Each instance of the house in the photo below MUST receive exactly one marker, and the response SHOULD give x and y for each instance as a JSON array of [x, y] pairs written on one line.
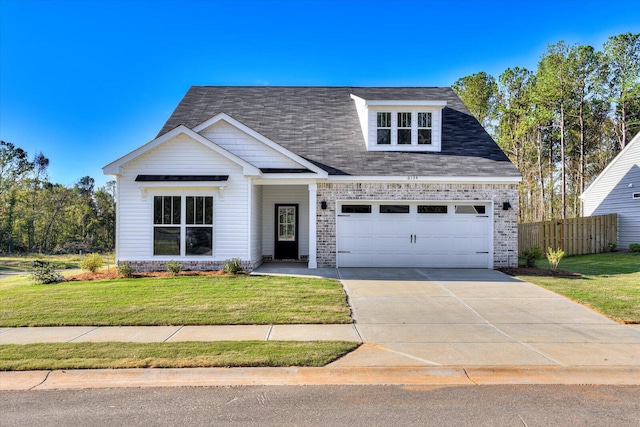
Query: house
[[333, 176], [617, 190]]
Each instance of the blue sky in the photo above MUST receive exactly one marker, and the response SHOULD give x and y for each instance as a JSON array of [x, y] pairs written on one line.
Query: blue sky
[[85, 82]]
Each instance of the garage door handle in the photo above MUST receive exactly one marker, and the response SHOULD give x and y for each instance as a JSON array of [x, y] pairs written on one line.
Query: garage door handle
[[482, 252], [344, 252]]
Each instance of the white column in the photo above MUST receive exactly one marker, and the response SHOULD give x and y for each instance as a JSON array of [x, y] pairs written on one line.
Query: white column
[[313, 204]]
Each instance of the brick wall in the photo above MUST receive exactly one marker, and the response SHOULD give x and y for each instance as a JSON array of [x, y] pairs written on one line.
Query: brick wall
[[146, 266], [505, 223]]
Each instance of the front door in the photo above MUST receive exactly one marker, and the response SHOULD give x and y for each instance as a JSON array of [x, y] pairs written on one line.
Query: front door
[[286, 239]]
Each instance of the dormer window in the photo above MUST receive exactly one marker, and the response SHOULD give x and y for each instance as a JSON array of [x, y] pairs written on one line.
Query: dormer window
[[410, 128], [384, 128], [401, 125], [404, 128], [424, 128]]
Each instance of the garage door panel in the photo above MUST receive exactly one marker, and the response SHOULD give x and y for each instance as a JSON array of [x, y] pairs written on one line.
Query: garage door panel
[[415, 239]]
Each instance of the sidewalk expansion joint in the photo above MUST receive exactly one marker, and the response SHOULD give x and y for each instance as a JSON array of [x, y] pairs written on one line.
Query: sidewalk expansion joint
[[268, 336], [174, 332], [81, 335]]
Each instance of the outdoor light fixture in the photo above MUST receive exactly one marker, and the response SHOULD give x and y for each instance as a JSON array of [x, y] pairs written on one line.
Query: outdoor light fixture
[[323, 204], [506, 206]]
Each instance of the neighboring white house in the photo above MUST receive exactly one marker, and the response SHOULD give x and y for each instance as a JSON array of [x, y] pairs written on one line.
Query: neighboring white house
[[617, 190], [334, 176]]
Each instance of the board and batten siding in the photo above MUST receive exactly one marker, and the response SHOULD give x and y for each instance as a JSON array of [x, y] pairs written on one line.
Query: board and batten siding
[[283, 194], [246, 147], [181, 155], [613, 192]]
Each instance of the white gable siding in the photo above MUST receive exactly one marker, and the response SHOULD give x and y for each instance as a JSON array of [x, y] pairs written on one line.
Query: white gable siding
[[181, 155], [613, 191], [247, 147], [273, 195]]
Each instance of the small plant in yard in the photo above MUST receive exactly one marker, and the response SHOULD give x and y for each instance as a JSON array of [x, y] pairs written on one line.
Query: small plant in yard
[[125, 269], [91, 262], [44, 273], [173, 267], [611, 247], [232, 265], [554, 257], [634, 247], [530, 255]]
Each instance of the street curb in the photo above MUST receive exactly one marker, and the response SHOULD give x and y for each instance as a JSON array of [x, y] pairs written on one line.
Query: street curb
[[211, 377]]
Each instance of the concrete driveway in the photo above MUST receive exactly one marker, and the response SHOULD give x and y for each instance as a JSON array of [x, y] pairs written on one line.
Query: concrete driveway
[[435, 317]]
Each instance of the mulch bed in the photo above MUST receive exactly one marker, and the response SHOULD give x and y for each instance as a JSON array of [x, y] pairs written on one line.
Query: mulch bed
[[113, 274], [535, 271]]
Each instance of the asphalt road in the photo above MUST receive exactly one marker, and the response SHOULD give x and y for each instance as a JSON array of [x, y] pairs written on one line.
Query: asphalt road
[[508, 405]]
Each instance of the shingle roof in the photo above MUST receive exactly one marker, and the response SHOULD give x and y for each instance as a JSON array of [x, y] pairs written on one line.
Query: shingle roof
[[321, 124]]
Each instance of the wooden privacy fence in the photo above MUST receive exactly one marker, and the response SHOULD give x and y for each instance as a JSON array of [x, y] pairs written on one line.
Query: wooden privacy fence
[[576, 236]]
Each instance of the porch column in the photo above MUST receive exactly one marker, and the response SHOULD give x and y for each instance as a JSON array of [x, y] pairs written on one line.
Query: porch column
[[313, 204]]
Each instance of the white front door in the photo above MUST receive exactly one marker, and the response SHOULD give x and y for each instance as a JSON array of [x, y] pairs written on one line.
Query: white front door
[[414, 234]]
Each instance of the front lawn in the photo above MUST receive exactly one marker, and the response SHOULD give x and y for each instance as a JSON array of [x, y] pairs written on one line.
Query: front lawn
[[171, 355], [610, 283], [182, 300]]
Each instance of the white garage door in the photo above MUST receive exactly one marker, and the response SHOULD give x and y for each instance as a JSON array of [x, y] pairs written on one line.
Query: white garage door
[[414, 234]]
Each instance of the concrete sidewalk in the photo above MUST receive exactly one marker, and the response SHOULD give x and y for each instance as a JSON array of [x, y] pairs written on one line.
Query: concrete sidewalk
[[140, 334]]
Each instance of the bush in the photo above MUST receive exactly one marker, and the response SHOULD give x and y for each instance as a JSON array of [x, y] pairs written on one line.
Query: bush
[[44, 273], [554, 257], [232, 265], [531, 255], [173, 267], [125, 269], [634, 247], [611, 247], [91, 262]]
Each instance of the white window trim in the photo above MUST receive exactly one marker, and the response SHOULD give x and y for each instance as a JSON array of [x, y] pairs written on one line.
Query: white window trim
[[183, 226], [436, 124]]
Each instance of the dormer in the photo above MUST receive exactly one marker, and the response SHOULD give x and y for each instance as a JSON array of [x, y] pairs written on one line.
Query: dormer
[[401, 125]]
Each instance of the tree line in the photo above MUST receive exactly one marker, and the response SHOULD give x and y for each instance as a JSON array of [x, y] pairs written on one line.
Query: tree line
[[562, 123], [37, 215]]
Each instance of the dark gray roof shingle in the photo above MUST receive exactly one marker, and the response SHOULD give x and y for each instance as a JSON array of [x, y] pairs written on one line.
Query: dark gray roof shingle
[[321, 124]]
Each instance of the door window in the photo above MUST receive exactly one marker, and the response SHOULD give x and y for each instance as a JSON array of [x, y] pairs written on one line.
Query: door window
[[286, 223]]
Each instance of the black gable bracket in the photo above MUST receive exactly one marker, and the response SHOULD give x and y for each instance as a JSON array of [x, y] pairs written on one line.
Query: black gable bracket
[[181, 178]]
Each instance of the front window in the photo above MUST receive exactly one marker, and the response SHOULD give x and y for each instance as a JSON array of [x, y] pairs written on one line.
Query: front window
[[183, 226]]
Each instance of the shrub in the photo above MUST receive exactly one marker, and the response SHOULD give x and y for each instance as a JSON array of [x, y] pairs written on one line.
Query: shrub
[[91, 262], [232, 265], [125, 269], [634, 247], [173, 267], [611, 247], [44, 273], [554, 257], [531, 255]]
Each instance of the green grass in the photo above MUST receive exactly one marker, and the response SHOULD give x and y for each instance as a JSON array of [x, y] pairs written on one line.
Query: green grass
[[22, 262], [171, 355], [182, 300], [610, 283]]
